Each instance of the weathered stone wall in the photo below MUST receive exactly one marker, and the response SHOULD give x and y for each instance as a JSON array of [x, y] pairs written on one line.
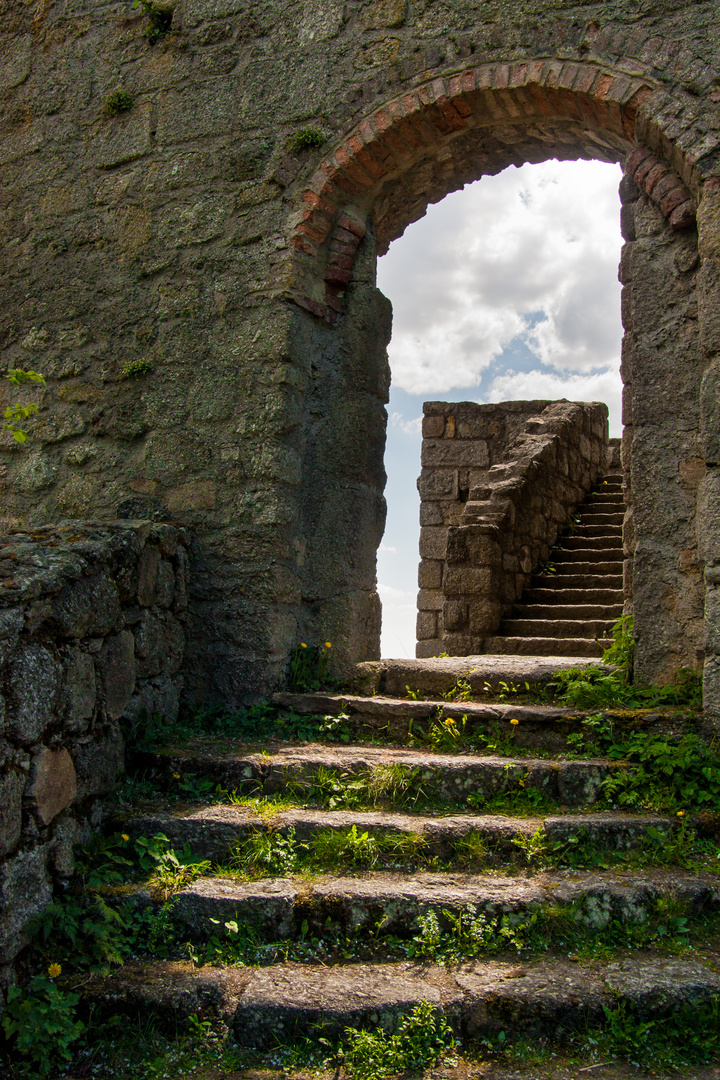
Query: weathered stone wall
[[498, 486], [187, 232], [92, 635], [662, 369]]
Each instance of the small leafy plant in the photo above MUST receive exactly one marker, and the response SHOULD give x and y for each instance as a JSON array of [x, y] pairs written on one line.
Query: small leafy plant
[[119, 101], [41, 1025], [159, 22], [307, 138], [422, 1039], [135, 368], [16, 416], [309, 668]]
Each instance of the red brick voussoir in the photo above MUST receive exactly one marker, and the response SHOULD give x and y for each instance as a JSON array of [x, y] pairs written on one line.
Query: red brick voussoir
[[334, 206]]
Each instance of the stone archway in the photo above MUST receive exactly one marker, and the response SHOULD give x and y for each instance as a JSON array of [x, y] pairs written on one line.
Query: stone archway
[[431, 140]]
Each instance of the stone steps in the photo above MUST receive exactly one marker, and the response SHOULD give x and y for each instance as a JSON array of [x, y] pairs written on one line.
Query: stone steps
[[539, 610], [435, 676], [215, 831], [566, 597], [557, 614], [549, 627], [281, 1003], [444, 778], [593, 540], [279, 909], [592, 557], [540, 728], [583, 649], [571, 577]]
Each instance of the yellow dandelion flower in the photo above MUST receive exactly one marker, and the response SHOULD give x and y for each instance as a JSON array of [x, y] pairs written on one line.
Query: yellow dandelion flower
[[328, 645], [513, 721], [449, 722], [54, 970], [681, 813], [303, 645], [124, 836], [176, 776]]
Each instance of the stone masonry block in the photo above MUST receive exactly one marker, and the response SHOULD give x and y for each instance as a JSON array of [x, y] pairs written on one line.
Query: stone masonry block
[[100, 762], [165, 584], [433, 427], [433, 513], [12, 783], [426, 625], [53, 783], [80, 689], [433, 542], [455, 614], [89, 607], [34, 681], [117, 669], [147, 575], [430, 600], [444, 453], [438, 484], [467, 581], [430, 574], [25, 889]]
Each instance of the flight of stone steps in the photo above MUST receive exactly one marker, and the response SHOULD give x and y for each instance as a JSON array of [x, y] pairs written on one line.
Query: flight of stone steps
[[571, 606], [457, 841]]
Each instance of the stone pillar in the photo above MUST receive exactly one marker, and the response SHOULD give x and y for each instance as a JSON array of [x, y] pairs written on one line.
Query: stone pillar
[[662, 369], [346, 381], [709, 502]]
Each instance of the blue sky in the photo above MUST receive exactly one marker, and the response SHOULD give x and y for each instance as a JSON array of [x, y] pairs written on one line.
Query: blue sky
[[505, 290]]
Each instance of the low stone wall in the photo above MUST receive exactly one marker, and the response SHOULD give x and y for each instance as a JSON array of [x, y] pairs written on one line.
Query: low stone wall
[[498, 484], [92, 638]]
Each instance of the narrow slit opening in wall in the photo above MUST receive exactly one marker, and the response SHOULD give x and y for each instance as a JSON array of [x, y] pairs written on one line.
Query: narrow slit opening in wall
[[505, 290]]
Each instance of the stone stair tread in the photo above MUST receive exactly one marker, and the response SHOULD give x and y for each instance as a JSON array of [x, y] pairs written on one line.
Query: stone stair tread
[[536, 594], [381, 706], [445, 777], [585, 554], [592, 541], [559, 628], [581, 649], [281, 1001], [354, 758], [560, 610], [214, 831], [277, 904], [569, 578], [438, 674]]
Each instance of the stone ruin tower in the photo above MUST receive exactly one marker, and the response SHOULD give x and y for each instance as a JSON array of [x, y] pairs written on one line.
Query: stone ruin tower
[[193, 200]]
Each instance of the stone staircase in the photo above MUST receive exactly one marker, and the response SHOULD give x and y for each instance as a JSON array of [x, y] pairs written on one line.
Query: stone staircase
[[571, 606], [442, 825]]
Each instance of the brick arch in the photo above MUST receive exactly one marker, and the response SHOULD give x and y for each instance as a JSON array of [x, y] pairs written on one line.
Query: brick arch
[[612, 116]]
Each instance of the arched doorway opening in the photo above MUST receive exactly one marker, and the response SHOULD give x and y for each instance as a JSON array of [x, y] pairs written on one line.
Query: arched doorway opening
[[413, 151], [505, 290]]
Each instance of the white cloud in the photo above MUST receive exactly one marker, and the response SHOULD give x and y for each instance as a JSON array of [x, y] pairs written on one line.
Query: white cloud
[[387, 592], [526, 385], [541, 242], [409, 427], [388, 548]]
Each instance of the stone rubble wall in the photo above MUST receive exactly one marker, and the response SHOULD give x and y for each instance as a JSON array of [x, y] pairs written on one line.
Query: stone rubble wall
[[499, 484], [92, 639]]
